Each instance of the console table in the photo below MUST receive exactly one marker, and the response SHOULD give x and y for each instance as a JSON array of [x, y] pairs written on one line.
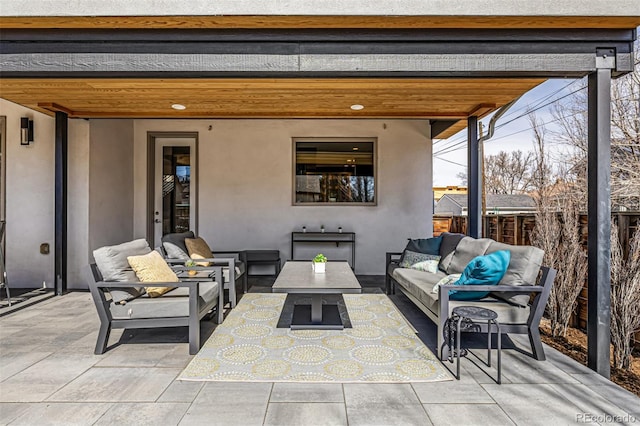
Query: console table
[[336, 238]]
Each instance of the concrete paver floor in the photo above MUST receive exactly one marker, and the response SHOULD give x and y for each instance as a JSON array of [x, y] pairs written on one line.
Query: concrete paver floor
[[49, 375]]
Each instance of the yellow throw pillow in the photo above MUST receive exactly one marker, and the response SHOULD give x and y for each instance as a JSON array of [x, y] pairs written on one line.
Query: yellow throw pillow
[[198, 249], [151, 268]]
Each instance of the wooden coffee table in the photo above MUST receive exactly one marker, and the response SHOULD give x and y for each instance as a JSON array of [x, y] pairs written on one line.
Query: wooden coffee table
[[298, 277]]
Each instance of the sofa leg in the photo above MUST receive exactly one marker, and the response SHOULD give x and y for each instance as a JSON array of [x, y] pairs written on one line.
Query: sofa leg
[[103, 338], [442, 349], [194, 336], [536, 344], [219, 313], [387, 284], [232, 295]]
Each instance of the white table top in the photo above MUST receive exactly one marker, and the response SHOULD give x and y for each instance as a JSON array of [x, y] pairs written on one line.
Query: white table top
[[299, 277]]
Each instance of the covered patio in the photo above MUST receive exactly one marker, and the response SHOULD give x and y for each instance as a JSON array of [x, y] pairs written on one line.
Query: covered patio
[[100, 89], [50, 376]]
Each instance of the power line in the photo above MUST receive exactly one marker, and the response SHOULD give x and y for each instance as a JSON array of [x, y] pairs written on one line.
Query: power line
[[530, 107], [535, 103], [538, 102], [452, 162], [455, 146], [524, 130]]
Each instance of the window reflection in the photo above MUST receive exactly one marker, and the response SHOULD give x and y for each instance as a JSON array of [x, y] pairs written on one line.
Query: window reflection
[[335, 172], [176, 183]]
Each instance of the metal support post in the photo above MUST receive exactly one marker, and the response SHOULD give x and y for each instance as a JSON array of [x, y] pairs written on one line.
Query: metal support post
[[474, 179], [599, 217], [61, 150]]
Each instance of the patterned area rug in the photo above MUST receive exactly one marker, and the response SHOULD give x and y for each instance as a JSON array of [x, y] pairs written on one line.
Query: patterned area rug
[[380, 348]]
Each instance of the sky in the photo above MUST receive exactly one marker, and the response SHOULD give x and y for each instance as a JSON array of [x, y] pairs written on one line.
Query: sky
[[450, 155]]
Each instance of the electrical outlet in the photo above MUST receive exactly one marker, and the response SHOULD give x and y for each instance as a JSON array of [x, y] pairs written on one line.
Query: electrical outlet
[[44, 248]]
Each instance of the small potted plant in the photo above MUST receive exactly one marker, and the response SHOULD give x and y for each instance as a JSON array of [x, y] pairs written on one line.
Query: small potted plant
[[319, 263], [191, 264]]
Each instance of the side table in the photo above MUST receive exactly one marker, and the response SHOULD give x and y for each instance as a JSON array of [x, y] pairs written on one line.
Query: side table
[[465, 317], [263, 257], [205, 275]]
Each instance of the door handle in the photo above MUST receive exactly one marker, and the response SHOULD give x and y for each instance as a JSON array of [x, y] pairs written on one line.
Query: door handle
[[157, 221]]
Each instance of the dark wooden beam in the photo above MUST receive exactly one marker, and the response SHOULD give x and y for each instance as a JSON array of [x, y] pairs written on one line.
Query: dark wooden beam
[[324, 53], [61, 151], [258, 65], [512, 36], [440, 126]]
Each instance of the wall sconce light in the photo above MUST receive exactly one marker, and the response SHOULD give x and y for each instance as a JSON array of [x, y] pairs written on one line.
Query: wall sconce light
[[26, 131]]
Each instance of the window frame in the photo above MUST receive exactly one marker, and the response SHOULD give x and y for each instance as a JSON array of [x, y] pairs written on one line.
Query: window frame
[[373, 140]]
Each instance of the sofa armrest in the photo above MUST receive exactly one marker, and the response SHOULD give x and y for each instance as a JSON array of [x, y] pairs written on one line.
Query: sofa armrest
[[102, 304], [216, 275], [178, 264], [237, 254], [119, 284], [501, 288], [214, 260], [391, 256]]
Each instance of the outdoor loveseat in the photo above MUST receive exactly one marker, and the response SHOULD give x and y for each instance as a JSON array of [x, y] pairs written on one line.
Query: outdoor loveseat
[[122, 301], [518, 312], [174, 248]]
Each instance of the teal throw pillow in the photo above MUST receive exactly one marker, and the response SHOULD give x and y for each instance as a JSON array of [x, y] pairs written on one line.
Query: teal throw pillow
[[482, 270], [420, 261]]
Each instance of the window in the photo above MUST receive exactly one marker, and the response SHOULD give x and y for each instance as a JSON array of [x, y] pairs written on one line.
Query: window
[[334, 171]]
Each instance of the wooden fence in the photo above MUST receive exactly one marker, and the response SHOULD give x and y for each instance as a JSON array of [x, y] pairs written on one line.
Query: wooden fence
[[516, 230]]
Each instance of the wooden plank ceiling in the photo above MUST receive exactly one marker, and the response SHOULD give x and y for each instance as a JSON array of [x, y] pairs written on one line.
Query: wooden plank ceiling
[[446, 99], [319, 21], [450, 99]]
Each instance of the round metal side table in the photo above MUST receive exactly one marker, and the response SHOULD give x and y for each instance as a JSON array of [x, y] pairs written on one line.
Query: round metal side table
[[465, 317]]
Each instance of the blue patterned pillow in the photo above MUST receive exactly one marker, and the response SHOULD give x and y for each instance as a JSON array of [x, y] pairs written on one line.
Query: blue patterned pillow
[[420, 261], [482, 270]]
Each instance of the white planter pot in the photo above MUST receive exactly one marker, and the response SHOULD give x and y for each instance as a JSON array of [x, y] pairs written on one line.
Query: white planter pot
[[319, 267]]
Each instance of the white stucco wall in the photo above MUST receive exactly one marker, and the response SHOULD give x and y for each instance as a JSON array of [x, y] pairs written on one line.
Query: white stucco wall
[[77, 203], [321, 7], [111, 183], [29, 198], [100, 173], [245, 184], [245, 188]]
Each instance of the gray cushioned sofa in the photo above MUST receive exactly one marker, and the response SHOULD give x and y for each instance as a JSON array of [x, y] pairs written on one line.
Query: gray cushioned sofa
[[121, 300], [510, 299]]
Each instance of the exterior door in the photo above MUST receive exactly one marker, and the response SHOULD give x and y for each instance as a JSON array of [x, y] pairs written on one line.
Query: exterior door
[[175, 189]]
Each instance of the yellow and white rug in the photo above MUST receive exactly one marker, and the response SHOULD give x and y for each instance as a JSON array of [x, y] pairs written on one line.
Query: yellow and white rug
[[381, 347]]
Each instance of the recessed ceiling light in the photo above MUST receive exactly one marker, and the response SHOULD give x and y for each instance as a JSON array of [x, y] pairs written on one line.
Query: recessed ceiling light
[[357, 107], [355, 148], [179, 107]]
